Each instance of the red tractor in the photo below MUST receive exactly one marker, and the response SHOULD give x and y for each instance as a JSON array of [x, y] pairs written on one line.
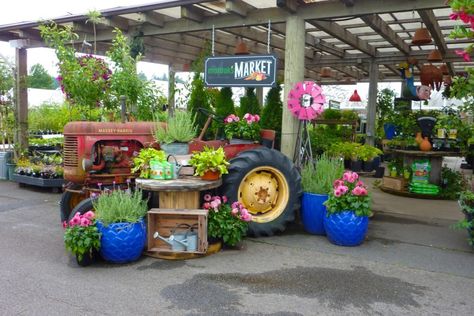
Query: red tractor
[[98, 155]]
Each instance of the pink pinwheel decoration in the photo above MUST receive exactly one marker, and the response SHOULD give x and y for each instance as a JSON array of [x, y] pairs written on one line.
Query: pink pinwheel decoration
[[305, 100]]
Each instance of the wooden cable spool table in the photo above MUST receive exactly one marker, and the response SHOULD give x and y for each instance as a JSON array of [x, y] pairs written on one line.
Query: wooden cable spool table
[[181, 193]]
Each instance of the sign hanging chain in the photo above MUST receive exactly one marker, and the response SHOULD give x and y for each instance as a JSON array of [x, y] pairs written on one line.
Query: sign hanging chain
[[268, 38], [212, 39]]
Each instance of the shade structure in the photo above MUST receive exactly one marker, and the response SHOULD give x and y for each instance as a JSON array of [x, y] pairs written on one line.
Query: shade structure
[[422, 36], [355, 97]]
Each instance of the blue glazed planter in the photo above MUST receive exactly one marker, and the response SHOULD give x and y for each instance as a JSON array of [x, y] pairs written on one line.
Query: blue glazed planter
[[313, 212], [345, 228], [122, 242], [389, 130]]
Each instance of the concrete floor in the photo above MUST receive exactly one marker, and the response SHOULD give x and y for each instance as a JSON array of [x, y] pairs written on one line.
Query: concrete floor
[[409, 265]]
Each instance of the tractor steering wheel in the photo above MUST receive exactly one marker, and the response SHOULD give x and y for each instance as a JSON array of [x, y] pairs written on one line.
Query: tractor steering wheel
[[211, 114]]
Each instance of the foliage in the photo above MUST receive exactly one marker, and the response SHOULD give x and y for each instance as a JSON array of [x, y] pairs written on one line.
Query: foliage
[[452, 183], [245, 128], [54, 141], [319, 177], [384, 108], [331, 114], [94, 18], [466, 203], [119, 206], [249, 102], [367, 152], [224, 102], [323, 136], [347, 150], [81, 236], [142, 161], [180, 128], [40, 78], [229, 222], [198, 99], [349, 115], [273, 112], [7, 118], [209, 159], [6, 78], [349, 194]]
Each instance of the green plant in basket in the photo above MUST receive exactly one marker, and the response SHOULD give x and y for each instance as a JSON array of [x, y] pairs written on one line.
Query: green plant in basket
[[209, 159], [349, 194], [466, 203], [142, 161], [180, 128], [319, 177], [81, 236], [120, 206]]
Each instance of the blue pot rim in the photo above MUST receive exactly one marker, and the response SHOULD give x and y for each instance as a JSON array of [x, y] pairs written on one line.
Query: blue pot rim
[[141, 220], [316, 194], [345, 211]]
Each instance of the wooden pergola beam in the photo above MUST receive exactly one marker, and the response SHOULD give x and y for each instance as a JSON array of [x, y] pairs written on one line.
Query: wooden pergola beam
[[192, 13], [238, 7], [384, 30], [151, 18]]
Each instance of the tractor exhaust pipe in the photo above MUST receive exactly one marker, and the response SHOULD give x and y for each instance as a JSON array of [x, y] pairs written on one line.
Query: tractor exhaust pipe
[[123, 108]]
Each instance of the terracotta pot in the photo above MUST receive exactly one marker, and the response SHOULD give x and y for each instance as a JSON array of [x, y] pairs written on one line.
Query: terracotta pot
[[211, 175], [422, 36], [425, 145], [435, 55], [418, 138], [431, 76], [444, 69]]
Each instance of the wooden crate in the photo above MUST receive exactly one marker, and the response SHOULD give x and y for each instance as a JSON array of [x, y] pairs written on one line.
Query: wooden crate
[[164, 222], [394, 183]]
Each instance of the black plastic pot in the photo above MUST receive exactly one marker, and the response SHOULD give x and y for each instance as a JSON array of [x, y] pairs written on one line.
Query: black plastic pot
[[356, 165], [379, 172], [368, 166]]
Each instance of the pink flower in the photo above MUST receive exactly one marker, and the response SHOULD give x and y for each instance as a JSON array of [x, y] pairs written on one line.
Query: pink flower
[[464, 54], [343, 189], [256, 118], [359, 191], [236, 205], [207, 197], [464, 17], [224, 199], [64, 224], [216, 197], [360, 183], [215, 204], [338, 183], [246, 218], [454, 16], [206, 205], [247, 116], [235, 211], [76, 220], [89, 215], [337, 193], [85, 222]]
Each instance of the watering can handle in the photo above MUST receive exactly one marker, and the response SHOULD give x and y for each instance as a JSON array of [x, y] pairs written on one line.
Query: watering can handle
[[188, 228]]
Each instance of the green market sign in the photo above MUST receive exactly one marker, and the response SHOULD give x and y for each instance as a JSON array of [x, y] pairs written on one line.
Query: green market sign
[[241, 71]]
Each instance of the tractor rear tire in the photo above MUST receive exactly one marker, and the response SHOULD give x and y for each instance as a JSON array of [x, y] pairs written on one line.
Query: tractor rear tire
[[68, 202], [268, 184], [83, 207]]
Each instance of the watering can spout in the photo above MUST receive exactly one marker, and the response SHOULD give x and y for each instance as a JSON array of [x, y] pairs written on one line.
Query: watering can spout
[[169, 241]]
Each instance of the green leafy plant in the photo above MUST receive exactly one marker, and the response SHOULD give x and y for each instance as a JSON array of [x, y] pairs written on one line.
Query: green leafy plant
[[119, 206], [349, 115], [466, 203], [142, 161], [245, 128], [229, 222], [367, 152], [331, 114], [179, 128], [452, 183], [347, 150], [349, 194], [319, 177], [209, 159], [81, 236]]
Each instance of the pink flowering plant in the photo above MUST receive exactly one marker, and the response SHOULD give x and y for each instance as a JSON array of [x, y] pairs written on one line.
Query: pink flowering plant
[[246, 128], [81, 236], [226, 221], [349, 194]]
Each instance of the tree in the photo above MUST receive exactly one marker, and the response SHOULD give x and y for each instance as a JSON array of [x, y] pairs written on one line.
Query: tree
[[198, 99], [249, 103], [273, 112], [39, 78]]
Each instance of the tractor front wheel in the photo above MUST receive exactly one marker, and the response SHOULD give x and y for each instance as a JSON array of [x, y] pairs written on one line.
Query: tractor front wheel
[[268, 184]]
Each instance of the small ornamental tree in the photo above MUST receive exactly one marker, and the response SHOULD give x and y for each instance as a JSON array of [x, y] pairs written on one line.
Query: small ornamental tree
[[249, 102], [224, 106], [273, 111], [40, 78], [198, 99]]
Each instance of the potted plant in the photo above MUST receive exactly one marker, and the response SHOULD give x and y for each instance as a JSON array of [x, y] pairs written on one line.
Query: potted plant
[[82, 238], [210, 163], [247, 128], [367, 154], [348, 210], [317, 181], [179, 130], [120, 221], [466, 203], [141, 163], [226, 222]]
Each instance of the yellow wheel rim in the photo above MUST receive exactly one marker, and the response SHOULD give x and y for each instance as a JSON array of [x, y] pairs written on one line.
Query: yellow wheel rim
[[264, 192]]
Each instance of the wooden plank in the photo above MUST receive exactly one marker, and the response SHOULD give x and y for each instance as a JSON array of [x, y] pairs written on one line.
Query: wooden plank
[[187, 199], [180, 184]]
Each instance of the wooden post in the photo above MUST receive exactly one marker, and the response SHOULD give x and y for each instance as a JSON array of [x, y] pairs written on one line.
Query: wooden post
[[21, 92], [259, 92], [171, 90], [294, 72], [372, 103]]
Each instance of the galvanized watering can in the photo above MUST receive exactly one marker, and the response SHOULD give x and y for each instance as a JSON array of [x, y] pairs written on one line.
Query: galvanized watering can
[[181, 241]]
